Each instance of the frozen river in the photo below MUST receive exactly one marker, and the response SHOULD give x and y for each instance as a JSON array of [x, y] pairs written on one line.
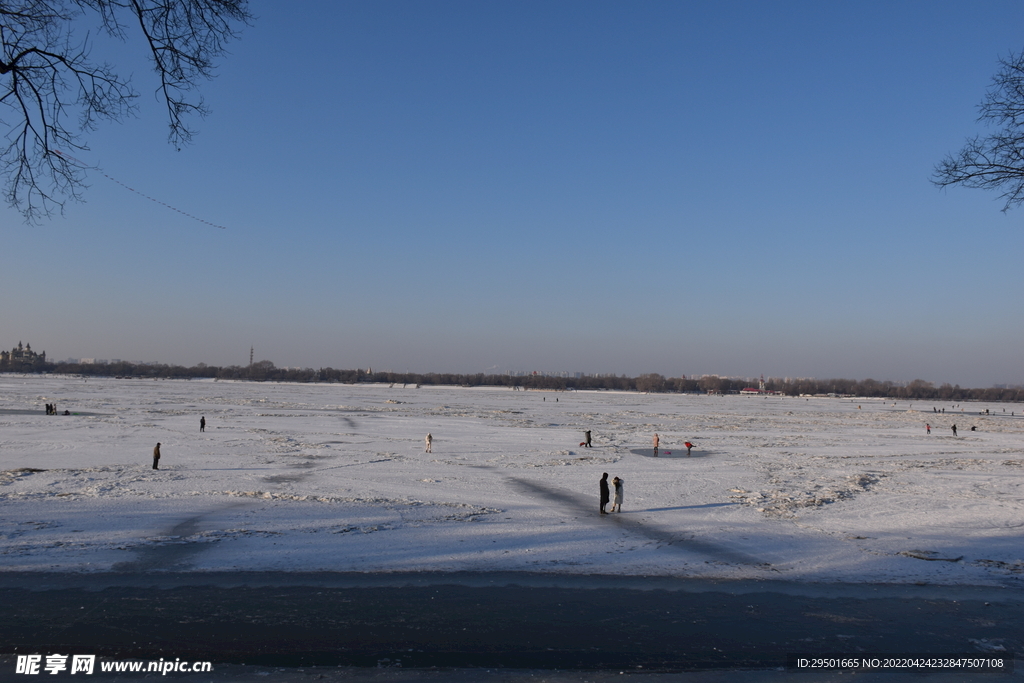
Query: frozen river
[[310, 478]]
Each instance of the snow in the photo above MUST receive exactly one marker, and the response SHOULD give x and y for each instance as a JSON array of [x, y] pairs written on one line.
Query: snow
[[291, 477]]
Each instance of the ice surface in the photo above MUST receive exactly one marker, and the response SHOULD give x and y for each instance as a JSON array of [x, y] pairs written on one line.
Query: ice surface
[[294, 477]]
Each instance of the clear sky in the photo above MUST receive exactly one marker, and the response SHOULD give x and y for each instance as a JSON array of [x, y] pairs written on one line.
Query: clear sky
[[737, 188]]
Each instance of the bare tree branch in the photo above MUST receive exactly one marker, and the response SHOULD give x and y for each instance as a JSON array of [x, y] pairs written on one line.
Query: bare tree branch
[[47, 79], [996, 161]]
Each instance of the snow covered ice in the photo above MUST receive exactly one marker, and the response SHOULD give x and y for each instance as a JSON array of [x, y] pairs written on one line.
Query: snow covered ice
[[291, 477]]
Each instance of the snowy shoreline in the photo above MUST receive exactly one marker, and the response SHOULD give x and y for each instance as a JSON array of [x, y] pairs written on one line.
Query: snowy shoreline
[[334, 478]]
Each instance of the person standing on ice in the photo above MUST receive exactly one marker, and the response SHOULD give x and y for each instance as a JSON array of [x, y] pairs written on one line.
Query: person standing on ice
[[586, 439], [430, 440], [954, 430], [156, 457], [603, 484], [656, 441], [617, 501], [202, 424], [928, 427]]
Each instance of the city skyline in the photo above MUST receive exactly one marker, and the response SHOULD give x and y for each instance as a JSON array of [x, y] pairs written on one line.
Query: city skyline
[[119, 364]]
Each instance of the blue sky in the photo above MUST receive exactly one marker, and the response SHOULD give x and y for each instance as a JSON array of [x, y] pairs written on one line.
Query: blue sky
[[737, 188]]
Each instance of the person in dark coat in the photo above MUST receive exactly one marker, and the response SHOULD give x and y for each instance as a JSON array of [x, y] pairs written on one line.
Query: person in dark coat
[[202, 424], [954, 430], [156, 457], [604, 492], [586, 439]]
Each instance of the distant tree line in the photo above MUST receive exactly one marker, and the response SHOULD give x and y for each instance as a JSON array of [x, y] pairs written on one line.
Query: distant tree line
[[266, 371], [918, 389]]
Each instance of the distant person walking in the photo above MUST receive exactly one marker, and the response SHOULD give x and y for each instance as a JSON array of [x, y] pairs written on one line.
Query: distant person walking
[[586, 439], [603, 484], [202, 424], [430, 440], [617, 500], [656, 442], [928, 427], [954, 430], [156, 457]]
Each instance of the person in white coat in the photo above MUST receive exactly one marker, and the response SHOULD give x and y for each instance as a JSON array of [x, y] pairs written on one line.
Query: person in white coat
[[617, 500]]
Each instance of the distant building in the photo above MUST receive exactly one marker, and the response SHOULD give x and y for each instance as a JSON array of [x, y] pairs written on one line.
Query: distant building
[[756, 392], [22, 359]]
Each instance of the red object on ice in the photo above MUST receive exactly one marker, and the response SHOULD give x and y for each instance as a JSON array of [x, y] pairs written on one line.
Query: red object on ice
[[583, 443]]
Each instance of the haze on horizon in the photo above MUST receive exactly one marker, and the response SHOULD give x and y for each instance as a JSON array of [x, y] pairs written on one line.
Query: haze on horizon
[[732, 188]]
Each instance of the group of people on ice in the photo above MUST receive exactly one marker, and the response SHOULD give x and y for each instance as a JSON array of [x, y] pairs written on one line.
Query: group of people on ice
[[928, 428], [617, 482], [657, 442]]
